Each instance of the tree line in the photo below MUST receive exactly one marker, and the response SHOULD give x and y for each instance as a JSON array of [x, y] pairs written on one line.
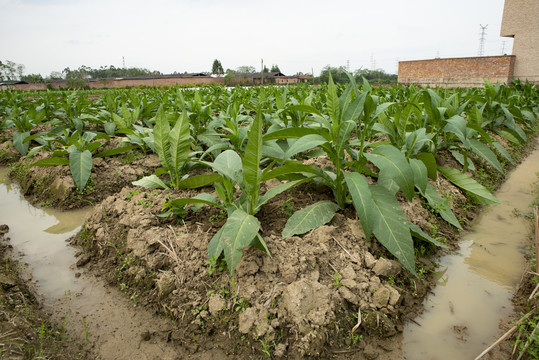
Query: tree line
[[10, 71]]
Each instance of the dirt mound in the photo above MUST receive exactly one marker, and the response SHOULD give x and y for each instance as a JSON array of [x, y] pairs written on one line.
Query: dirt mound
[[54, 186], [306, 295]]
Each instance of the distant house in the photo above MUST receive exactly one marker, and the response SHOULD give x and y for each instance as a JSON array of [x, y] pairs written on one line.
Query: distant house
[[10, 84], [265, 78]]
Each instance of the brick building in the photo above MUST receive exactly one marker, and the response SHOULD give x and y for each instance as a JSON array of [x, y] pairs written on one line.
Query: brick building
[[521, 22], [457, 72]]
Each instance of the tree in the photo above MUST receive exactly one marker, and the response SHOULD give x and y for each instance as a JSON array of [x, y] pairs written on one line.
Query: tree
[[265, 69], [246, 69], [275, 68], [376, 77], [9, 70], [338, 74], [217, 68], [33, 78]]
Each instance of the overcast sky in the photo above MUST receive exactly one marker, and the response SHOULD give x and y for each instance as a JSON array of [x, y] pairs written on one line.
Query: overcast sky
[[297, 35]]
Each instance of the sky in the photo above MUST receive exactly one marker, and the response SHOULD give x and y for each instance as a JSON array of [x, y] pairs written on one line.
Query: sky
[[297, 35]]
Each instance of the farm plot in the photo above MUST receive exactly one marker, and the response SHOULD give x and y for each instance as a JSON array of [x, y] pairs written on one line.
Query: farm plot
[[295, 221]]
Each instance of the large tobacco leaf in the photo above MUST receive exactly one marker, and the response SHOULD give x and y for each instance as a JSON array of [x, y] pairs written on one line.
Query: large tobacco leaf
[[476, 190], [310, 218], [391, 227]]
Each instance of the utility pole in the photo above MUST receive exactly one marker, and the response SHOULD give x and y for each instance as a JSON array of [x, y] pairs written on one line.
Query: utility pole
[[348, 65], [262, 70], [482, 39], [123, 61]]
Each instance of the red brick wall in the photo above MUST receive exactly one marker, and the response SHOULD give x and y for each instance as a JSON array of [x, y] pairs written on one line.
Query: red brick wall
[[457, 72], [120, 83]]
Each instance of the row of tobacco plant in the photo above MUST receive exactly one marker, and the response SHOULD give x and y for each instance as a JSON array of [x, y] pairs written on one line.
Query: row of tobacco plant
[[380, 141]]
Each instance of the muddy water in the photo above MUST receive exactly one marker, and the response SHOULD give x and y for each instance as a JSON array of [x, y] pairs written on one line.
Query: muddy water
[[474, 293], [96, 315]]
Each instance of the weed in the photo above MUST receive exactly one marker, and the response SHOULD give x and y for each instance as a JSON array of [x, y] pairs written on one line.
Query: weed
[[85, 328], [145, 202], [130, 194], [337, 279], [20, 171], [41, 338], [134, 298], [287, 208], [85, 237], [214, 264], [129, 158], [220, 216]]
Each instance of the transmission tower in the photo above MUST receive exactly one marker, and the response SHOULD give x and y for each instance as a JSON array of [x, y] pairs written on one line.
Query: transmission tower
[[482, 38], [373, 62]]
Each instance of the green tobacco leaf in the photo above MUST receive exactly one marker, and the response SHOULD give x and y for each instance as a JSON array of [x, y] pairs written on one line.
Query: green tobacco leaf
[[355, 108], [238, 232], [460, 158], [440, 205], [115, 151], [430, 162], [151, 182], [305, 143], [295, 167], [292, 133], [160, 136], [52, 161], [80, 163], [19, 143], [478, 191], [332, 102], [420, 173], [216, 245], [457, 126], [393, 165], [391, 227], [485, 153], [509, 136], [198, 181], [228, 163], [179, 140], [345, 129], [260, 244], [309, 218], [362, 200], [202, 198], [276, 190], [304, 108], [251, 159], [503, 151], [418, 233]]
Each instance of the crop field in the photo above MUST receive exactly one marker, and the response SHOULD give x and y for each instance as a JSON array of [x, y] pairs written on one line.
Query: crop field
[[297, 220]]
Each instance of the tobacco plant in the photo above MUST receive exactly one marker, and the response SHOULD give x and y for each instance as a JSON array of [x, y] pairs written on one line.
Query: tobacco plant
[[237, 174]]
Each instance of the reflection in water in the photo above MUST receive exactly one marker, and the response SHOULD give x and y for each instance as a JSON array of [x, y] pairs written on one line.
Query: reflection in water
[[40, 235], [461, 318]]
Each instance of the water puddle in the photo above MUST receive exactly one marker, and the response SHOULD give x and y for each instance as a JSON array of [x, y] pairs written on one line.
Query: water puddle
[[96, 314], [462, 315]]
